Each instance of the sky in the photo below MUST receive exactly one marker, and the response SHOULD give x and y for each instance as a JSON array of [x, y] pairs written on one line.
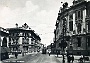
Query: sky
[[40, 15]]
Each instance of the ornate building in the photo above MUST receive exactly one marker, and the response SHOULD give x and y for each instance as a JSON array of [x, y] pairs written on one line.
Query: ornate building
[[19, 39], [73, 24], [23, 39]]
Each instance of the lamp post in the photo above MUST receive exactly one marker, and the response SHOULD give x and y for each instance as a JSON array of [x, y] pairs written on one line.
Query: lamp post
[[63, 42]]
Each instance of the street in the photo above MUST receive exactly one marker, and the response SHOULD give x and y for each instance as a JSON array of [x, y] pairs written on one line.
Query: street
[[34, 58], [40, 58], [30, 32]]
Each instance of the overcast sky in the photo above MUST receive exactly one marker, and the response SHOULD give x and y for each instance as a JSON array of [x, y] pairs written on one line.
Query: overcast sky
[[40, 15]]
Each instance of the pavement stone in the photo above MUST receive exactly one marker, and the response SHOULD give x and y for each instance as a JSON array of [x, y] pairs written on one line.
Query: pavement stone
[[12, 57], [75, 59], [50, 58]]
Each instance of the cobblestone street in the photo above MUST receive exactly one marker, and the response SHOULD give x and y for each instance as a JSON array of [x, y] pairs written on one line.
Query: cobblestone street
[[34, 58]]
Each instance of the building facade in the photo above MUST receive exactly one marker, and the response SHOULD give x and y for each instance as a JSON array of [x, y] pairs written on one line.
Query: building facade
[[4, 48], [73, 23], [23, 39], [18, 39]]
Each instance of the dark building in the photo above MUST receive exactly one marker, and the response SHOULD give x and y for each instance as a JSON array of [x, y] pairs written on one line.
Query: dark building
[[4, 49], [75, 20]]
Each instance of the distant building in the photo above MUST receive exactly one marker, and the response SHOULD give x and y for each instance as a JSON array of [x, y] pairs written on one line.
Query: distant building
[[23, 39], [76, 20]]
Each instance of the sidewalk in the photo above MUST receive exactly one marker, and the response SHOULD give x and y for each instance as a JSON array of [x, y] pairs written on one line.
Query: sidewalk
[[60, 58], [12, 57]]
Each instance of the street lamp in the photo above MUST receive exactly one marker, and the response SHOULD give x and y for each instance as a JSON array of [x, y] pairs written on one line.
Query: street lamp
[[63, 41]]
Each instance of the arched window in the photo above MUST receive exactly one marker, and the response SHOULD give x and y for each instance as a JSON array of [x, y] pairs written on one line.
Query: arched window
[[4, 42]]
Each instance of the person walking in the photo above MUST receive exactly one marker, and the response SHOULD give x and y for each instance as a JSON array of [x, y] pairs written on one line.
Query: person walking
[[16, 54], [49, 53], [68, 58], [72, 58], [81, 59], [57, 53]]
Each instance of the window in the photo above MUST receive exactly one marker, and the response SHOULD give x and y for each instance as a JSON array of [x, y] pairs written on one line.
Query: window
[[79, 14], [79, 41], [71, 25], [89, 26], [71, 22], [88, 41], [22, 40], [79, 28], [71, 17], [76, 16], [88, 12], [4, 42]]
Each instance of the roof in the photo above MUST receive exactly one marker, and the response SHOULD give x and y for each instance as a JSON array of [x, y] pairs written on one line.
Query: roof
[[72, 7], [18, 30]]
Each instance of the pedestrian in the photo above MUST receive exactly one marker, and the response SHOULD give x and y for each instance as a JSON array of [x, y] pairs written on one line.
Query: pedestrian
[[81, 59], [72, 58], [16, 54], [68, 58], [57, 53], [49, 53]]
